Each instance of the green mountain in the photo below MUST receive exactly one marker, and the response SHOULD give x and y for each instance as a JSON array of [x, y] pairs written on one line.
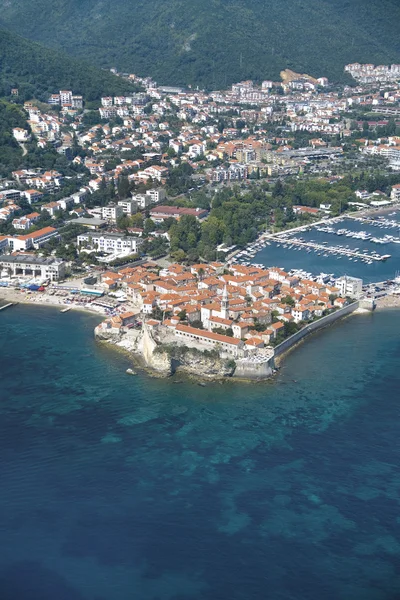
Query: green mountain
[[214, 42], [38, 71]]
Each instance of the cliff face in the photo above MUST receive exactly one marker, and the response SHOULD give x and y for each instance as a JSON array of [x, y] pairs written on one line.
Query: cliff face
[[165, 359], [204, 366], [247, 369]]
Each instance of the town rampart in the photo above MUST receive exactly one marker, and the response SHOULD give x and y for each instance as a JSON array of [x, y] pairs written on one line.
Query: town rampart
[[248, 369], [323, 322]]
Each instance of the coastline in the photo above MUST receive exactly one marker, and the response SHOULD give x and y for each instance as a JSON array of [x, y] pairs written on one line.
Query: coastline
[[388, 302], [41, 299]]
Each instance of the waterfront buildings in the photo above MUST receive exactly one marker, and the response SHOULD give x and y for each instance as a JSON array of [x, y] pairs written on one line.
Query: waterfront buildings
[[44, 268], [350, 286]]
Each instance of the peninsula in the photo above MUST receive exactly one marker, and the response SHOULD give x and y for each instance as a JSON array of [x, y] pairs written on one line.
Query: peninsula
[[216, 321]]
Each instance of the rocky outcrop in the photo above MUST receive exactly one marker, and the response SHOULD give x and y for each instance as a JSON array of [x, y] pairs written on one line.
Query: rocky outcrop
[[105, 335], [201, 365], [164, 359], [248, 369]]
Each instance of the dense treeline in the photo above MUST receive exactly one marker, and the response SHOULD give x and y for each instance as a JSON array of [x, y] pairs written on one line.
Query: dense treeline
[[10, 153], [237, 216], [38, 71], [215, 43]]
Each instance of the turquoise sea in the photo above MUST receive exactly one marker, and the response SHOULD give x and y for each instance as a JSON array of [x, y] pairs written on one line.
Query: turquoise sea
[[116, 487]]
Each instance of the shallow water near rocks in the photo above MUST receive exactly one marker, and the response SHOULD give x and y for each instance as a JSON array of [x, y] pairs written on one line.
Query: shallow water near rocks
[[116, 487]]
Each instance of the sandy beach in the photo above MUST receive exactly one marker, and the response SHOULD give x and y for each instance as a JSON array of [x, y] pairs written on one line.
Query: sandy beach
[[41, 299]]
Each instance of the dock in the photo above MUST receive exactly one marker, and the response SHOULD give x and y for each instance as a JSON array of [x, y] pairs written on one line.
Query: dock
[[278, 238], [382, 223], [7, 305]]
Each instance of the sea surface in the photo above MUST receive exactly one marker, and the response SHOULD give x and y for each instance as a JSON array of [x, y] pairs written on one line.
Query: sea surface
[[116, 487], [315, 262]]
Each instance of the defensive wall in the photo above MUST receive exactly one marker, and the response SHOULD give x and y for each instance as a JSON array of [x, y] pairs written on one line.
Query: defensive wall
[[323, 322]]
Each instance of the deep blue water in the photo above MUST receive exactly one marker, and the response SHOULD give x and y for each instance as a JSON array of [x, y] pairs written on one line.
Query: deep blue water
[[310, 261], [116, 487]]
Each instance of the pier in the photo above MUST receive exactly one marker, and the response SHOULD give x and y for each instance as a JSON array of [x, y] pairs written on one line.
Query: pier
[[382, 223], [7, 305], [326, 249]]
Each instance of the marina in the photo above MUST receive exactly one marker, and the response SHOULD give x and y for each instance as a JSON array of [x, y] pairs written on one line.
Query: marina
[[360, 251]]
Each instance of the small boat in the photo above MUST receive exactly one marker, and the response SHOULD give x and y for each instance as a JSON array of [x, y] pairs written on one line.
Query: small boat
[[64, 310], [131, 372]]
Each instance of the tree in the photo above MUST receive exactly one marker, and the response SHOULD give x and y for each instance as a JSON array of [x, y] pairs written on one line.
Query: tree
[[178, 255], [149, 226], [221, 125], [123, 222], [278, 189], [289, 301], [137, 220], [123, 186], [391, 127]]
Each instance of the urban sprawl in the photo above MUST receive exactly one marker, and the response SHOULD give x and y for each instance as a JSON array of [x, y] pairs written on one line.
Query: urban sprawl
[[142, 220]]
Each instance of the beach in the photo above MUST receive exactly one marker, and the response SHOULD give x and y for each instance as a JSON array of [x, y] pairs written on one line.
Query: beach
[[40, 298]]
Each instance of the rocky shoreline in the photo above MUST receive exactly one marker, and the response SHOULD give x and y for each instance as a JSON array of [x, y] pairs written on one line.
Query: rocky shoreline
[[392, 301], [161, 360]]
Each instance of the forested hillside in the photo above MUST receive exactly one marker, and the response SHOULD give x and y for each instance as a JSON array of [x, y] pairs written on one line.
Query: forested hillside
[[38, 71], [214, 42], [10, 152]]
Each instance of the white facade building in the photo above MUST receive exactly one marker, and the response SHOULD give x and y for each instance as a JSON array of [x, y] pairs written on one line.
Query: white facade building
[[129, 207], [157, 195], [110, 242], [112, 212], [350, 286], [46, 268]]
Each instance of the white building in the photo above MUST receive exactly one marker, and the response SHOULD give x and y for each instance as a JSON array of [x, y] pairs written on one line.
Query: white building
[[21, 135], [350, 286], [112, 212], [395, 193], [110, 242], [13, 195], [45, 268], [156, 195], [129, 207], [36, 240], [65, 97], [142, 200]]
